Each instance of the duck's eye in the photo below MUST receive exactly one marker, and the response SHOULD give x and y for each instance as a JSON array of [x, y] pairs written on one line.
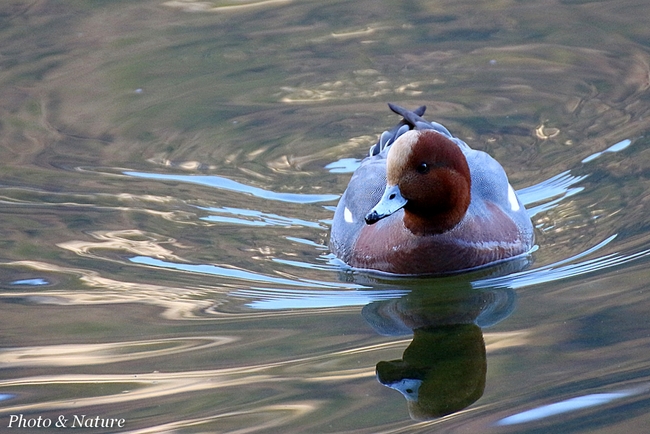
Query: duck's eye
[[423, 168]]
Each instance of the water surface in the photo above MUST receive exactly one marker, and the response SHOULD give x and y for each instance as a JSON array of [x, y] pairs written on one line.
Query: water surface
[[169, 175]]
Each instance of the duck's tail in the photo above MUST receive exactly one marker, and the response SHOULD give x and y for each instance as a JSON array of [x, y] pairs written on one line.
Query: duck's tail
[[412, 120]]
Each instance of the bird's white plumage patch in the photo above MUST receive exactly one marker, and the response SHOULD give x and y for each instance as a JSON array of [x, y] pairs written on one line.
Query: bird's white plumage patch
[[347, 215], [408, 387], [512, 199]]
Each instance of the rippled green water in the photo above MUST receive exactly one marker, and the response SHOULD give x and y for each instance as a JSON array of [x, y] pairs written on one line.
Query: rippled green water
[[170, 169]]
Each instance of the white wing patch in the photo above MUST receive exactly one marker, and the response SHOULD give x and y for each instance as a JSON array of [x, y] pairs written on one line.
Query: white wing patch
[[347, 215], [512, 199]]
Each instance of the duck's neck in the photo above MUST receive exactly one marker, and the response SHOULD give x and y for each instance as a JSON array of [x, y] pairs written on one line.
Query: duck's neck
[[431, 223], [440, 217]]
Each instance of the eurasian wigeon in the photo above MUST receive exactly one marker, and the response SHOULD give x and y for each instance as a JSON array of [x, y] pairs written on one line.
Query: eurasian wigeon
[[424, 202]]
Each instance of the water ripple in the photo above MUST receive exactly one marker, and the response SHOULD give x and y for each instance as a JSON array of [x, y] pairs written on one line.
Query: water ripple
[[274, 299], [265, 416], [570, 405], [230, 185], [234, 273], [558, 185], [158, 385], [254, 218], [215, 6], [617, 147], [558, 270], [113, 352], [177, 302]]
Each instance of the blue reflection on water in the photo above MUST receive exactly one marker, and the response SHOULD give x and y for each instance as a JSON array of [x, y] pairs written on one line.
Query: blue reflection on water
[[236, 273], [228, 184], [614, 148], [31, 282], [566, 406], [266, 298], [248, 217], [278, 299], [558, 270], [559, 187]]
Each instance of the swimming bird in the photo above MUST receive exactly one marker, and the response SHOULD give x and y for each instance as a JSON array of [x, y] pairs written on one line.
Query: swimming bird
[[424, 202]]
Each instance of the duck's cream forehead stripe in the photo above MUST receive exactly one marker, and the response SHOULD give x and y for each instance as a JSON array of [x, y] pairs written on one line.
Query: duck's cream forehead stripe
[[398, 155]]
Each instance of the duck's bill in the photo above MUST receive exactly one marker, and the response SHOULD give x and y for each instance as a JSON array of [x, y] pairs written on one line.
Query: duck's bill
[[390, 202]]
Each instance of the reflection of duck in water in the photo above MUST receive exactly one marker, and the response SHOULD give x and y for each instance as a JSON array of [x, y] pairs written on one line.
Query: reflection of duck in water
[[424, 202], [441, 372], [443, 369]]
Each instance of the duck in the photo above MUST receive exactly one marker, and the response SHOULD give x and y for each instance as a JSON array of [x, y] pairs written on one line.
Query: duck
[[424, 203]]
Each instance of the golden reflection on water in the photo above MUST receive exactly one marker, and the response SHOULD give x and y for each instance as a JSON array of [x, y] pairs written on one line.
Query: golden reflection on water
[[157, 385], [129, 241], [137, 386], [217, 6], [177, 302], [264, 417], [362, 83], [501, 340], [94, 354]]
